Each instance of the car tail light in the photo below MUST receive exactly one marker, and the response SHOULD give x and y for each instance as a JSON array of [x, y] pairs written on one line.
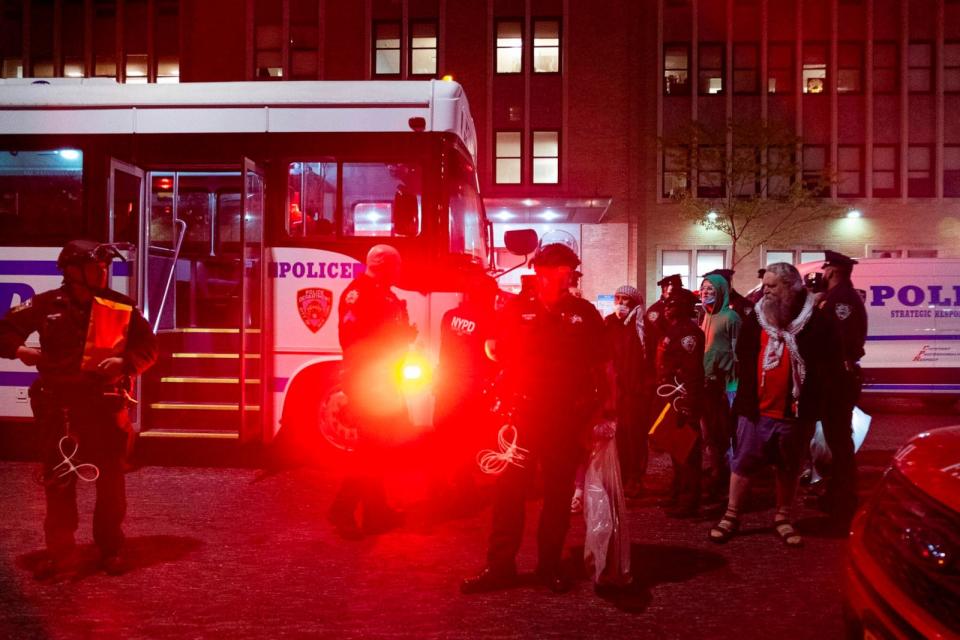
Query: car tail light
[[916, 540]]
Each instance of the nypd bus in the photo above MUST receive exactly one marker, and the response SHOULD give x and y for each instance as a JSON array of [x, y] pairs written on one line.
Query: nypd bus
[[247, 208], [913, 324]]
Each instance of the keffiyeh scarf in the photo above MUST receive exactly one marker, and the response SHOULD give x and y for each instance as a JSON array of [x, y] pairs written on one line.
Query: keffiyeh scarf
[[778, 337]]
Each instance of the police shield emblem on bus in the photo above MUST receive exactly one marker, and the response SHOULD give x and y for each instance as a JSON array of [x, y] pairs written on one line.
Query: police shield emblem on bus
[[314, 305]]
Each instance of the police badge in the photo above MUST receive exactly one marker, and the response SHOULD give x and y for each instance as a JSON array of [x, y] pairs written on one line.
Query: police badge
[[314, 305], [653, 315], [689, 343], [842, 310]]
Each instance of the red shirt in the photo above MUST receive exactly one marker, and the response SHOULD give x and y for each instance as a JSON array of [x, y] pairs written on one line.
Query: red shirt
[[773, 386]]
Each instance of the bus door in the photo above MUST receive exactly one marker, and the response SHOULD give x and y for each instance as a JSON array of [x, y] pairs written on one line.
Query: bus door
[[253, 363], [125, 224]]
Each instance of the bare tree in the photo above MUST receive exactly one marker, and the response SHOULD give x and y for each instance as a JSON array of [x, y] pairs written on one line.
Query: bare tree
[[754, 190]]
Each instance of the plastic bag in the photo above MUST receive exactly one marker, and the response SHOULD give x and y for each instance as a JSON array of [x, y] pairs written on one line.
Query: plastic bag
[[820, 450], [606, 548]]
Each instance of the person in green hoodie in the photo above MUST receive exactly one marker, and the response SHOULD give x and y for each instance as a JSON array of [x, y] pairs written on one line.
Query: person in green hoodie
[[720, 326]]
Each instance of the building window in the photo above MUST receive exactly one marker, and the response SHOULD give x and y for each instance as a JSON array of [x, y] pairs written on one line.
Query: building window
[[793, 256], [711, 69], [676, 164], [509, 46], [951, 67], [268, 40], [386, 49], [423, 49], [920, 67], [508, 157], [746, 74], [710, 183], [546, 46], [690, 264], [787, 256], [850, 71], [676, 70], [850, 160], [951, 171], [304, 40], [920, 172], [104, 39], [814, 68], [546, 157], [886, 181], [814, 169], [886, 67], [745, 172], [780, 170], [780, 69], [167, 42]]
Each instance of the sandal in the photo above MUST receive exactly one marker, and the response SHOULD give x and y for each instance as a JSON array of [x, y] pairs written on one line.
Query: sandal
[[725, 529], [785, 531]]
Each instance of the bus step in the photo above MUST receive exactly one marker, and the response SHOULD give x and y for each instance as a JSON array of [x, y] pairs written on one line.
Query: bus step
[[190, 433], [201, 389], [213, 415], [206, 339], [203, 365]]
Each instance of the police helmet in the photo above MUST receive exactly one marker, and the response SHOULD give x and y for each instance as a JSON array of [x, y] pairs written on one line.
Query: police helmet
[[683, 299], [80, 251], [555, 255]]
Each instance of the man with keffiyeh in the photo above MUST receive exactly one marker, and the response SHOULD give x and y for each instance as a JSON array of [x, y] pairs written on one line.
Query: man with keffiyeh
[[788, 351]]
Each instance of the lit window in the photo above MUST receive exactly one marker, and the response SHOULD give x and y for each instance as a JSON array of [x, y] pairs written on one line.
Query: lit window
[[546, 157], [850, 73], [886, 183], [105, 67], [73, 68], [386, 49], [509, 47], [711, 69], [886, 67], [508, 157], [780, 69], [546, 46], [12, 68], [675, 171], [710, 183], [676, 263], [919, 172], [690, 265], [812, 256], [43, 69], [709, 260], [951, 67], [920, 67], [423, 49], [168, 70], [136, 69], [951, 171], [779, 256], [745, 69], [814, 68], [676, 70], [850, 160]]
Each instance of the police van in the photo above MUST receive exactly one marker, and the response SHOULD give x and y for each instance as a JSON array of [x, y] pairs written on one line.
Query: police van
[[913, 331]]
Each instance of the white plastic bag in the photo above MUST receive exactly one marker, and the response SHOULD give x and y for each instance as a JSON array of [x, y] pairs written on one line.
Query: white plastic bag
[[606, 548], [820, 451]]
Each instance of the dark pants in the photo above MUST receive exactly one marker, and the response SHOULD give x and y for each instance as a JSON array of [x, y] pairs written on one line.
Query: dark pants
[[715, 429], [841, 496], [555, 445], [463, 427], [632, 428], [687, 473], [100, 432]]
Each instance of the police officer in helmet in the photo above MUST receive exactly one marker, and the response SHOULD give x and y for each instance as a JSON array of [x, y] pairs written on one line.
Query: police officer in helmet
[[556, 374], [843, 305], [80, 398]]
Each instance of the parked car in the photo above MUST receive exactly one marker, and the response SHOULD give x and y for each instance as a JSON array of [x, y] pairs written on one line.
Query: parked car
[[903, 575]]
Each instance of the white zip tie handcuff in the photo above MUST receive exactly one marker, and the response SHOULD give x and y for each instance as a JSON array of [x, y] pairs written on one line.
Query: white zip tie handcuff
[[494, 462], [677, 391]]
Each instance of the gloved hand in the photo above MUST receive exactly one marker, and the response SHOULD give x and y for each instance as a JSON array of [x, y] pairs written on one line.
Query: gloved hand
[[28, 355]]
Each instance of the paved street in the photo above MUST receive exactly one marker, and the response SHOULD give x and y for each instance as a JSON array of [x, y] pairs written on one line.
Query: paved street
[[218, 554]]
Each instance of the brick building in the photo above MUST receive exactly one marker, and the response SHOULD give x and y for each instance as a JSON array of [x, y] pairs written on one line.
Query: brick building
[[570, 98]]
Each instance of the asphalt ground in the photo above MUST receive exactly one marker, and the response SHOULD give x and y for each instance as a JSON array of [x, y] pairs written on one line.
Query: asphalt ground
[[219, 552]]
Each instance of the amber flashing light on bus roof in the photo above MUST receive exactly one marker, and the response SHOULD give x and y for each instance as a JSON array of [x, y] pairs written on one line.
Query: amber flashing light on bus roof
[[447, 78]]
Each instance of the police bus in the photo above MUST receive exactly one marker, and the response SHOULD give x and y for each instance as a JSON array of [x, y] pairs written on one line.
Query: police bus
[[246, 209]]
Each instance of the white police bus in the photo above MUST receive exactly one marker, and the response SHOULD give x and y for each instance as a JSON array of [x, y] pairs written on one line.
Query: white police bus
[[248, 208]]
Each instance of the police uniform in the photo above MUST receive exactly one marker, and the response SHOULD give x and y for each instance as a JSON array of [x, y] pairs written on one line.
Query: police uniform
[[844, 307], [680, 362], [67, 400], [374, 334], [553, 362]]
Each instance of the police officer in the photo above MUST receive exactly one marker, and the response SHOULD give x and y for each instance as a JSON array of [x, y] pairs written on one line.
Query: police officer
[[556, 374], [462, 412], [843, 305], [680, 363], [79, 400], [375, 333], [654, 320]]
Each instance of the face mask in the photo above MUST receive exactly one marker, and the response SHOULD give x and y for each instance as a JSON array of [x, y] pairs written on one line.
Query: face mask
[[622, 309], [710, 299]]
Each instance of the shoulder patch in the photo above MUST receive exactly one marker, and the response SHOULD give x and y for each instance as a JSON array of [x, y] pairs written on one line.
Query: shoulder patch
[[689, 343], [842, 310], [653, 315], [352, 297]]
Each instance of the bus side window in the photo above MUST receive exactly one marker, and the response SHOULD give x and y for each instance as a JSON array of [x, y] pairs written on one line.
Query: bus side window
[[311, 199], [382, 199]]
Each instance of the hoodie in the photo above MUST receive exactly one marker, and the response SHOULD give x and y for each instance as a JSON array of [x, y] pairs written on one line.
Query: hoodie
[[721, 324]]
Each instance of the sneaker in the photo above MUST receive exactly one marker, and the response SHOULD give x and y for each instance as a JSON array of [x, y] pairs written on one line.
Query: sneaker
[[114, 564], [488, 580]]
